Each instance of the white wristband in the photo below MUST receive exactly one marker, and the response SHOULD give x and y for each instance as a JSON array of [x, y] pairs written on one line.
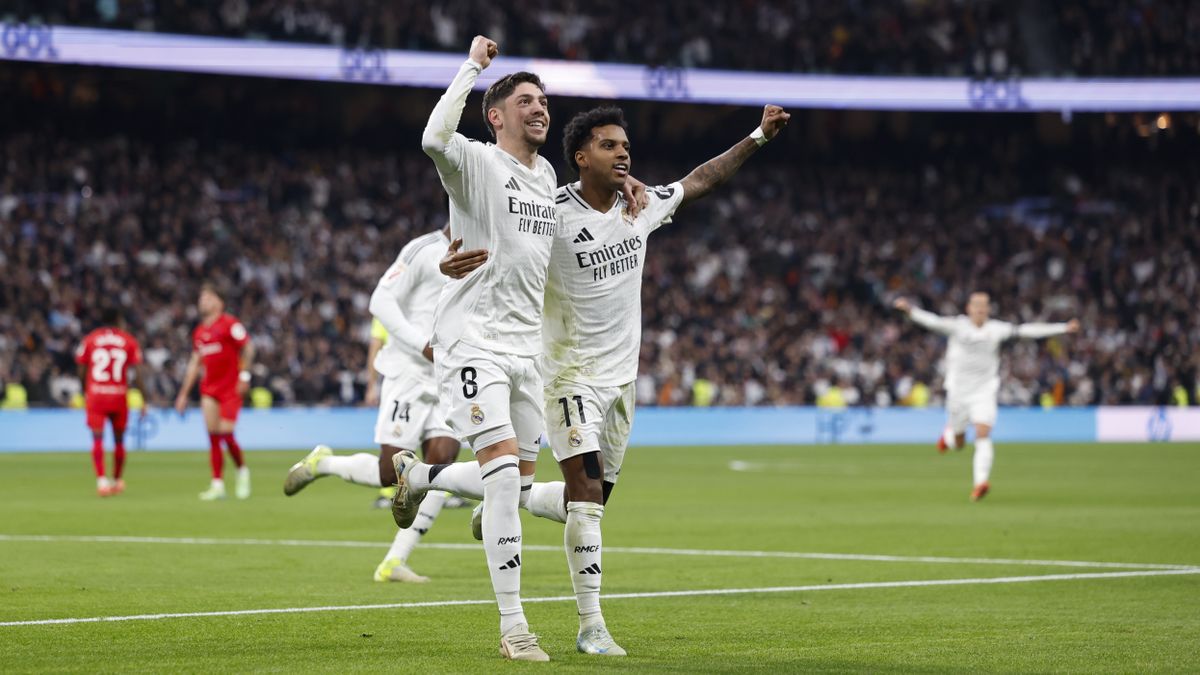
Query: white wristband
[[244, 376], [759, 137]]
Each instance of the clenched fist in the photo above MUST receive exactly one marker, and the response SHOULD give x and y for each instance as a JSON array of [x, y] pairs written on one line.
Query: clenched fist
[[483, 50]]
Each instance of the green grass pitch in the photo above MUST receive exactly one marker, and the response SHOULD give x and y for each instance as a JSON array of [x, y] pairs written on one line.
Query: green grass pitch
[[1133, 504]]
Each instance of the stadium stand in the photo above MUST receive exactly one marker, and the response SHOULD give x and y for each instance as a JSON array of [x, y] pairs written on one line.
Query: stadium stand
[[768, 293], [908, 37]]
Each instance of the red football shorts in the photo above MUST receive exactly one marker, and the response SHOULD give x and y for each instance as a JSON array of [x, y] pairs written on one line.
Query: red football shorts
[[230, 403], [100, 408]]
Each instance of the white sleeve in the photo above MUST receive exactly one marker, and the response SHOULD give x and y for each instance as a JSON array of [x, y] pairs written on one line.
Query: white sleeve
[[1036, 331], [395, 284], [664, 200], [935, 323], [441, 139]]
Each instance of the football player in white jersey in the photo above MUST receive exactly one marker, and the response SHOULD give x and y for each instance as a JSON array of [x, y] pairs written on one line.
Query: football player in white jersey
[[410, 415], [972, 378], [487, 327], [592, 332]]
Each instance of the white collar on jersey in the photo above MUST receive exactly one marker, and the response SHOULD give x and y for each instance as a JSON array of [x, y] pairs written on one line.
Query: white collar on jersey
[[573, 190]]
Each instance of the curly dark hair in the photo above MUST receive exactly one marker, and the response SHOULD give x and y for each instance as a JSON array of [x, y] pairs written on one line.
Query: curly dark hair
[[579, 129], [503, 88]]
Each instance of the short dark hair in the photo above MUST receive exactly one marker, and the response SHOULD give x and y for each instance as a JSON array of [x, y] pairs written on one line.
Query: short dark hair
[[109, 316], [212, 288], [579, 129], [502, 89]]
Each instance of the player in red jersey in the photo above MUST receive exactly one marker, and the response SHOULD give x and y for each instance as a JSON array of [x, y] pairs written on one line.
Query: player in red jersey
[[105, 358], [221, 342]]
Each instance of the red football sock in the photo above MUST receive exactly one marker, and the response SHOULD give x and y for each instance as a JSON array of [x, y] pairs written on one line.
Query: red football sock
[[215, 457], [98, 455], [118, 459], [235, 450]]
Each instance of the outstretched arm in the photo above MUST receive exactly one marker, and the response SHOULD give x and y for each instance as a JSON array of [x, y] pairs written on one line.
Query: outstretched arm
[[706, 177], [929, 320], [1036, 331]]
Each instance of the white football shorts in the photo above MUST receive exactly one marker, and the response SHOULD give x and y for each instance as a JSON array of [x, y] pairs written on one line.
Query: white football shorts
[[581, 418], [409, 412], [970, 410], [488, 393]]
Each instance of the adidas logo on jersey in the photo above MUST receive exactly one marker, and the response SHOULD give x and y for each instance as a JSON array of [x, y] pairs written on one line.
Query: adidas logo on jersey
[[512, 184], [512, 564], [584, 235]]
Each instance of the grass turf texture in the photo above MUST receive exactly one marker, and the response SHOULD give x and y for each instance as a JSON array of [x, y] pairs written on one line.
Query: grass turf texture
[[1124, 503]]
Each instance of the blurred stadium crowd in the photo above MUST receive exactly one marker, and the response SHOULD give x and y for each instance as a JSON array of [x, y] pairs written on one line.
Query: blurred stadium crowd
[[918, 37], [775, 290]]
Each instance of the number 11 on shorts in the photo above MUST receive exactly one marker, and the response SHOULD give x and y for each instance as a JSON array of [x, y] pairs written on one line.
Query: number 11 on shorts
[[567, 409]]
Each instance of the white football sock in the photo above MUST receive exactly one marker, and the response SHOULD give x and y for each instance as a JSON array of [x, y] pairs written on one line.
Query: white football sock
[[502, 537], [546, 501], [460, 478], [406, 540], [526, 489], [984, 454], [360, 468], [581, 538], [948, 437]]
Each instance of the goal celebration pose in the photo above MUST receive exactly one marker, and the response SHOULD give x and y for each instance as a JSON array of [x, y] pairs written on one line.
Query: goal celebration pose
[[591, 338], [972, 378]]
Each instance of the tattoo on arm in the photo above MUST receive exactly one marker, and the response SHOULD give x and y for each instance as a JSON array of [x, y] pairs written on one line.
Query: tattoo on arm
[[706, 177]]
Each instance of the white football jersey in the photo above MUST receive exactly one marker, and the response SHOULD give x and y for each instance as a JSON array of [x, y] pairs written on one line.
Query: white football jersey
[[415, 283], [973, 353], [973, 357], [593, 327], [498, 204]]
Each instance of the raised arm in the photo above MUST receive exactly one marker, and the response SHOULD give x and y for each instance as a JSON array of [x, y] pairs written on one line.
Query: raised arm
[[1036, 331], [706, 177], [437, 139], [929, 320]]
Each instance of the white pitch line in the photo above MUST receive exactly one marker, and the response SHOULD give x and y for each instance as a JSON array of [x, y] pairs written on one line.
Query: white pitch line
[[620, 596], [801, 555]]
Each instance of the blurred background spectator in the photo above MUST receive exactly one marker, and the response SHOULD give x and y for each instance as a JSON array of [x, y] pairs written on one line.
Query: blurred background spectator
[[907, 37], [130, 189]]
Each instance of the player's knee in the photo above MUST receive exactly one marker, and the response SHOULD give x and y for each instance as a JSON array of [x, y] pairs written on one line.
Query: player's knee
[[583, 475], [982, 431], [441, 450], [586, 491], [529, 454], [485, 440]]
